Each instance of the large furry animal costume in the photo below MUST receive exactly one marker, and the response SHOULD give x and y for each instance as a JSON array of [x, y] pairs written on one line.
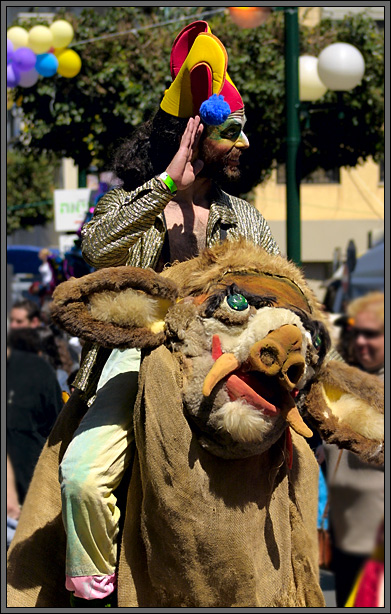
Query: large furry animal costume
[[222, 501]]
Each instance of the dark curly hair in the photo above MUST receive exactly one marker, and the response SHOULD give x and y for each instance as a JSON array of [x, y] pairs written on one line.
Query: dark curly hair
[[149, 150]]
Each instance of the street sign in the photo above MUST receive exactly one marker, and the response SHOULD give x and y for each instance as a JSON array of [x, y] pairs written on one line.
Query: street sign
[[70, 207]]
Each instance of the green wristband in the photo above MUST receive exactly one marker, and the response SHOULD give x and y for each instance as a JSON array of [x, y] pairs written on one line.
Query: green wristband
[[170, 183]]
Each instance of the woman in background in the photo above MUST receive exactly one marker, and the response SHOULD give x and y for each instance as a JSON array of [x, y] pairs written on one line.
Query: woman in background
[[356, 491]]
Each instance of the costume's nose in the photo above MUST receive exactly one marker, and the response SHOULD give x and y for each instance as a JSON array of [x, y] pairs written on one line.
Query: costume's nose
[[279, 354], [242, 142]]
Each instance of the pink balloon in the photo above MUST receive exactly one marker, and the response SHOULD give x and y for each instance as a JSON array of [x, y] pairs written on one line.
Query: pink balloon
[[13, 75], [28, 78], [24, 58]]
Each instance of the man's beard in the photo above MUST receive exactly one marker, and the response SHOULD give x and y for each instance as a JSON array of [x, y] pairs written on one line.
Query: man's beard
[[217, 167]]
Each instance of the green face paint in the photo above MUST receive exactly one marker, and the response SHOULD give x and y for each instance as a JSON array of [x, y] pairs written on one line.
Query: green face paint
[[230, 130]]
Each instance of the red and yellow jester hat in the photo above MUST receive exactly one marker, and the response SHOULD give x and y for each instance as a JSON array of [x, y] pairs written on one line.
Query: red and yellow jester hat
[[201, 85]]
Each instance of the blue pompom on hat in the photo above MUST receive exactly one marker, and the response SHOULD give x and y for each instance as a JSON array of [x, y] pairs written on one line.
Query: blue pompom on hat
[[215, 110]]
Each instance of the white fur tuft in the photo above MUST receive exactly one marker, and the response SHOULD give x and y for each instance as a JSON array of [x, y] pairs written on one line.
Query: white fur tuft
[[242, 422]]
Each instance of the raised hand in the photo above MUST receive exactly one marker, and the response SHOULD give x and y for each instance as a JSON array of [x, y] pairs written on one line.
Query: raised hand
[[184, 167]]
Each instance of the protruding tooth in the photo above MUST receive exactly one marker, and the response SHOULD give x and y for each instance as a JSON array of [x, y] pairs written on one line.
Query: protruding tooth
[[291, 414], [294, 420], [224, 365]]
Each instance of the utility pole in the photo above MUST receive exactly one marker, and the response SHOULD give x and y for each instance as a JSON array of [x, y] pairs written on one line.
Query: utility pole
[[293, 135]]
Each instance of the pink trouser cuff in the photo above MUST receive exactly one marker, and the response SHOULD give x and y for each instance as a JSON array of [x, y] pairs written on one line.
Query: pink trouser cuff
[[91, 587]]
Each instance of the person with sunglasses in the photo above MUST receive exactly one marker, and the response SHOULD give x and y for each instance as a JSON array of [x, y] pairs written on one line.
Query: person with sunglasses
[[355, 489], [367, 329]]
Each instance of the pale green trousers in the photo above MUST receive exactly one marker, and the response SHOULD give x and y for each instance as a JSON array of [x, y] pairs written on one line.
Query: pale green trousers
[[93, 466]]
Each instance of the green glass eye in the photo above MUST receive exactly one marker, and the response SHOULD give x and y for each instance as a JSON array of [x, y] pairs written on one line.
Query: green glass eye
[[237, 302], [317, 342]]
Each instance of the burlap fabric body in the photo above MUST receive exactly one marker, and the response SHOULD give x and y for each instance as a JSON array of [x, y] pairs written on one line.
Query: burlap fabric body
[[199, 531], [202, 531]]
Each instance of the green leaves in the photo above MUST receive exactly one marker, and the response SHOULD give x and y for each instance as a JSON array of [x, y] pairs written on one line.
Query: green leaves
[[123, 79], [30, 185]]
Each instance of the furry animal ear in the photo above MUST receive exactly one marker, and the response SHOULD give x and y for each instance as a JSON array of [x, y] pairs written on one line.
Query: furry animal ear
[[117, 307], [346, 406]]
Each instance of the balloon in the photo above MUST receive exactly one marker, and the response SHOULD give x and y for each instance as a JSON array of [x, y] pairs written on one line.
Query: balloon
[[13, 75], [10, 51], [62, 32], [24, 59], [69, 63], [40, 39], [341, 67], [18, 36], [310, 86], [46, 64], [28, 78], [57, 52]]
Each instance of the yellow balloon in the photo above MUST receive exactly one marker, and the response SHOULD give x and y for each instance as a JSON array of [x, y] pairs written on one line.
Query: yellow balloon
[[69, 63], [59, 51], [18, 36], [40, 39], [62, 33]]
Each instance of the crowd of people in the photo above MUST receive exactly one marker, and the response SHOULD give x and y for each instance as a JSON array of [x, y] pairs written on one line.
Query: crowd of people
[[41, 365], [170, 206]]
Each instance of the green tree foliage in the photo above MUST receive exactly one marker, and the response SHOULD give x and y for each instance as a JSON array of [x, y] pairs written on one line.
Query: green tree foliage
[[123, 79], [256, 65], [30, 185]]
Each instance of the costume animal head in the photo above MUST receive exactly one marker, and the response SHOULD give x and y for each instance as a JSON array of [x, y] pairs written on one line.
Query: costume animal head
[[251, 341]]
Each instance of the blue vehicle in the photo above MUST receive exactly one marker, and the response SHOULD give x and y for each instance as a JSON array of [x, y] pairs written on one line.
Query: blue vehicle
[[26, 279], [24, 258]]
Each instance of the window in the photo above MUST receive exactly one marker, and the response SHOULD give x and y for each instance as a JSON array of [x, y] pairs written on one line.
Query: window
[[320, 175]]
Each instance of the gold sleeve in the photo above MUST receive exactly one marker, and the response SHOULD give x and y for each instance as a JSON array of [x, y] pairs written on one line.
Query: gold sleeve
[[120, 219]]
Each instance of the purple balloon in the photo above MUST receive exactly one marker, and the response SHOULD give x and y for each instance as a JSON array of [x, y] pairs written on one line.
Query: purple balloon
[[46, 64], [24, 58], [10, 51], [13, 75], [28, 78]]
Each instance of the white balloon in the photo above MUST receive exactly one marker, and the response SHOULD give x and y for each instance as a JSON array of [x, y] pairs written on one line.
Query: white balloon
[[28, 78], [341, 67], [310, 86]]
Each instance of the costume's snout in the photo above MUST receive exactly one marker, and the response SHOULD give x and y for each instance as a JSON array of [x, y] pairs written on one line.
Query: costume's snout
[[279, 353]]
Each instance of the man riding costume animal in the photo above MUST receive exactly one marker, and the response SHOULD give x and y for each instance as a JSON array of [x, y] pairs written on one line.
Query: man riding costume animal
[[119, 232], [202, 410]]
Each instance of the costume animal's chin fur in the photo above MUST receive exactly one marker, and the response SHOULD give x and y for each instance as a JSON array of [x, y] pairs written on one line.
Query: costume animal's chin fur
[[244, 423]]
